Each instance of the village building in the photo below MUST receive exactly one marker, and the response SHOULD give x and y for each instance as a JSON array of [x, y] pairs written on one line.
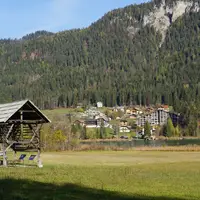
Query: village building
[[157, 117], [123, 123], [164, 107], [93, 123], [123, 128], [79, 122], [99, 104], [175, 117], [133, 116]]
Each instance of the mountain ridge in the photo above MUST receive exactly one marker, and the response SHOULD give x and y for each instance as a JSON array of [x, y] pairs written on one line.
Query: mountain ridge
[[117, 60]]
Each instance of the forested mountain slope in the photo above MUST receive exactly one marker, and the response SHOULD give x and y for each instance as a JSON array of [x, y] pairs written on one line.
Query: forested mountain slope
[[141, 54]]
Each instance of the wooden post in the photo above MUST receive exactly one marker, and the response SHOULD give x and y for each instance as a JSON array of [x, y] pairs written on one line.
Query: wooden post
[[15, 155], [4, 151], [21, 119], [39, 161], [40, 165]]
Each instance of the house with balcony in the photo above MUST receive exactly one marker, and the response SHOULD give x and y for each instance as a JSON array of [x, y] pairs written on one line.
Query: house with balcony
[[157, 117]]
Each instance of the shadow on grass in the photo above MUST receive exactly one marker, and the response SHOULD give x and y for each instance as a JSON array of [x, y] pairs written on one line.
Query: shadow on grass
[[11, 189]]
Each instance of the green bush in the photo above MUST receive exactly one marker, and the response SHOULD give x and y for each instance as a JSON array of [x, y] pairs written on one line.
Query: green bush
[[79, 110], [91, 133]]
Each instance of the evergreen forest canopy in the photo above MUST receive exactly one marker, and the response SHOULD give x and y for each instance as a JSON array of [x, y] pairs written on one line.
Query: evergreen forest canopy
[[116, 60]]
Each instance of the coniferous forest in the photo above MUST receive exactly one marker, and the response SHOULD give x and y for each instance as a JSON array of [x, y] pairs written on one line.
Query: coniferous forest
[[115, 60]]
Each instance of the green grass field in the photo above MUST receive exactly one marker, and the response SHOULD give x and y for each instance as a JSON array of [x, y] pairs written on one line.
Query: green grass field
[[105, 175], [59, 111]]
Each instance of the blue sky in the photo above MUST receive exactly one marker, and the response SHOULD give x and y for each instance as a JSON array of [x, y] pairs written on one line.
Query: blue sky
[[20, 17]]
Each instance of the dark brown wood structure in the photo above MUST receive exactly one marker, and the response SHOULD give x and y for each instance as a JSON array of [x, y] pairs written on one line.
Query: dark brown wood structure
[[20, 125]]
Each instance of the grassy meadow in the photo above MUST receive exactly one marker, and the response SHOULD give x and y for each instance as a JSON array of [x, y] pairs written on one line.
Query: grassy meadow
[[104, 175], [58, 111]]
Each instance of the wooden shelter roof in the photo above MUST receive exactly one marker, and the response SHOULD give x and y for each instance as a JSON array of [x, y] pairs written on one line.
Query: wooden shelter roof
[[11, 112]]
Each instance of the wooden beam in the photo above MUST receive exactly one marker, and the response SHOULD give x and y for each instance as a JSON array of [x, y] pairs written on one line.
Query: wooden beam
[[21, 125], [17, 142], [26, 121], [35, 132], [4, 151], [27, 111], [39, 161], [9, 146], [9, 131]]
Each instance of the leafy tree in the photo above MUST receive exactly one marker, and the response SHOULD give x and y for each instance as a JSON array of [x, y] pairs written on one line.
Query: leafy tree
[[116, 130], [177, 131], [59, 138], [192, 127], [74, 129], [83, 133], [170, 128], [102, 130], [163, 130], [147, 129]]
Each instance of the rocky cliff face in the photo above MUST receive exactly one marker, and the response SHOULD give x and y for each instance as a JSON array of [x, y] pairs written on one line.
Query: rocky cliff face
[[163, 15]]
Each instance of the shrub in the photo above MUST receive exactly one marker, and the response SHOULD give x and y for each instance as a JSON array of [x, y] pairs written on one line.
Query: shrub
[[79, 110]]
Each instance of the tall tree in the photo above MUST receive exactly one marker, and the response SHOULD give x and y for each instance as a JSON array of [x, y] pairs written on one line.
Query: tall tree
[[147, 129], [102, 129], [170, 128]]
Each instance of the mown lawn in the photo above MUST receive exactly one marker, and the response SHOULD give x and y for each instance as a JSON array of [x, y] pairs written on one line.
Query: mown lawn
[[106, 175]]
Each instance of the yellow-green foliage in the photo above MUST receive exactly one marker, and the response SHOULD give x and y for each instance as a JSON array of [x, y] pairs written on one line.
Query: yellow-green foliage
[[176, 131], [58, 136], [79, 110], [170, 128]]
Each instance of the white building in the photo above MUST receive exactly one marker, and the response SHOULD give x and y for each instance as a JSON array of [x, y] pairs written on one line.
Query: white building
[[158, 117], [124, 129], [99, 104]]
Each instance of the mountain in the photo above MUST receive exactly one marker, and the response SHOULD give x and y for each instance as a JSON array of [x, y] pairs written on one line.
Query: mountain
[[140, 54]]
